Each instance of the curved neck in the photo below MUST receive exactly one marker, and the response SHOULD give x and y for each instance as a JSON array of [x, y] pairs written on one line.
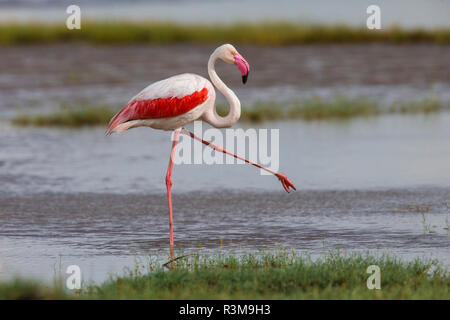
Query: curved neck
[[211, 115]]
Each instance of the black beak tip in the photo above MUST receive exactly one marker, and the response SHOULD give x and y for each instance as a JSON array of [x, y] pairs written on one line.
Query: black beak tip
[[244, 78]]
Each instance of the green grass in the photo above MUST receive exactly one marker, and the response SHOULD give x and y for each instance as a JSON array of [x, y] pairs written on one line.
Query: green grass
[[72, 117], [263, 33], [21, 289], [279, 274], [338, 108]]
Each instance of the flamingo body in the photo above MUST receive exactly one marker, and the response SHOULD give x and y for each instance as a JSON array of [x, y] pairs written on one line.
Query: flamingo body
[[171, 103], [167, 104]]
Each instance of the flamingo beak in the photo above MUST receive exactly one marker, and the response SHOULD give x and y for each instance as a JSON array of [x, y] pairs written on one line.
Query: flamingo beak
[[244, 78], [242, 65]]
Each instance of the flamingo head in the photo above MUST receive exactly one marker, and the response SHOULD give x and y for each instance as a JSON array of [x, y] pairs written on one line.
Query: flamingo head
[[230, 55]]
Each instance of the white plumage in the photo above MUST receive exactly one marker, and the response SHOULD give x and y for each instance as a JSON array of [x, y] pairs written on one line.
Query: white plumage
[[144, 109], [177, 86]]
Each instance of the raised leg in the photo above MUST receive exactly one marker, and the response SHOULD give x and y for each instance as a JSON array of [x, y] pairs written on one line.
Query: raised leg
[[282, 177], [176, 136]]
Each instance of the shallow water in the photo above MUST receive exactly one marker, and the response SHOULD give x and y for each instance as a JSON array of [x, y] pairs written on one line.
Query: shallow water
[[32, 80], [77, 197], [393, 151], [103, 233]]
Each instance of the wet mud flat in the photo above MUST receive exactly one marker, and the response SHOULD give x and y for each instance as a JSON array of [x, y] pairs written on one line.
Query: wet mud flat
[[302, 65], [111, 74], [106, 232]]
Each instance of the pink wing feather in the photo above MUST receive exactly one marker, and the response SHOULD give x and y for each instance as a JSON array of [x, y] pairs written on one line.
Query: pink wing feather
[[163, 99]]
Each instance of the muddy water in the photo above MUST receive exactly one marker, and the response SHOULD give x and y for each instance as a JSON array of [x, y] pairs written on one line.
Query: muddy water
[[78, 197], [103, 233], [42, 77]]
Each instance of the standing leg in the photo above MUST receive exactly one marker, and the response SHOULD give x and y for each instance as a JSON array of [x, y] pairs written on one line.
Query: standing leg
[[282, 177], [176, 136]]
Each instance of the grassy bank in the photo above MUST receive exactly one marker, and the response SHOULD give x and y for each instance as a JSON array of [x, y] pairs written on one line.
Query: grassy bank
[[68, 116], [263, 33], [262, 275], [339, 108]]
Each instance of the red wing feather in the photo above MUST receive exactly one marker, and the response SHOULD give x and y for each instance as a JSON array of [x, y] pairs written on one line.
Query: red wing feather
[[158, 108]]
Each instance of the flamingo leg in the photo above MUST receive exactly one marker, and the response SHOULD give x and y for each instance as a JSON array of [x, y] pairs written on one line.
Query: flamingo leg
[[176, 136], [282, 177]]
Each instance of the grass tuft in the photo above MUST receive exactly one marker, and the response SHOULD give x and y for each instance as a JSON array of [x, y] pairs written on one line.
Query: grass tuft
[[20, 289], [315, 108], [88, 115], [280, 274], [340, 108]]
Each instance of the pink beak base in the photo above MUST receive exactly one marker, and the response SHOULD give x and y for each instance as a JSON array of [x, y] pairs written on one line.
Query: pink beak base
[[242, 65]]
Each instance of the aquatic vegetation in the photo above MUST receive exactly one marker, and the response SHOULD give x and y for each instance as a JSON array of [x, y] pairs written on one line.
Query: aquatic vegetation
[[315, 108], [426, 106], [427, 228], [447, 224], [447, 221], [257, 113], [262, 33], [86, 115], [278, 274]]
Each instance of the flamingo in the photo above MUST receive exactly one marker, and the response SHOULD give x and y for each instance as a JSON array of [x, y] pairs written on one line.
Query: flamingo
[[171, 103]]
